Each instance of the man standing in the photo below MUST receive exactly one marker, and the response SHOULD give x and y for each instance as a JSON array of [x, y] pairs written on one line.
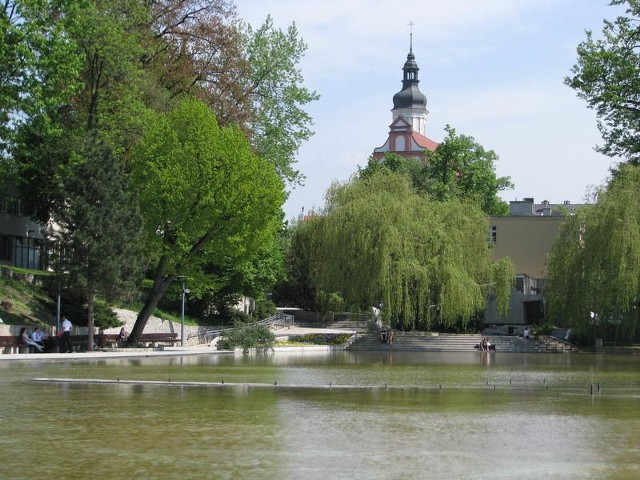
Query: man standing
[[65, 344]]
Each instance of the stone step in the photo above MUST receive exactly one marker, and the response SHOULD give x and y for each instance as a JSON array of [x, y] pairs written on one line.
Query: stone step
[[410, 341]]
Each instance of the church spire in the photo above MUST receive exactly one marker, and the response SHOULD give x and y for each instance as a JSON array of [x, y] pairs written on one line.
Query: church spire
[[411, 24], [410, 102]]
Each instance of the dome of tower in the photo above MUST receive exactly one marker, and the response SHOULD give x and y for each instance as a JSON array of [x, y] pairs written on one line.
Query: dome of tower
[[410, 97]]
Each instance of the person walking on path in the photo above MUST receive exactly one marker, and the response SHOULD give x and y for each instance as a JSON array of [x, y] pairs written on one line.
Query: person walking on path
[[65, 341]]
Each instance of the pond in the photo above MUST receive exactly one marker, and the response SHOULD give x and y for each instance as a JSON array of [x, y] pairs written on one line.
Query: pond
[[355, 415]]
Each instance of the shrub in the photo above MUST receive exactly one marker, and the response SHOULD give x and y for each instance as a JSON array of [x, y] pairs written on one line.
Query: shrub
[[322, 339], [264, 308], [544, 329], [248, 336]]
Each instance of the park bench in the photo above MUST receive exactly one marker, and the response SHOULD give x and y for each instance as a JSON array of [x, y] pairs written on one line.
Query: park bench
[[147, 339], [11, 344], [153, 339]]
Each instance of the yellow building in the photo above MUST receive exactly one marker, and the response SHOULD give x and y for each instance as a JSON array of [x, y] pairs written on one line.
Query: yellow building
[[526, 236]]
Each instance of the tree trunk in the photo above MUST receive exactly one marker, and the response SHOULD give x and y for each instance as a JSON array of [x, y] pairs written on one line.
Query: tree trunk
[[158, 290]]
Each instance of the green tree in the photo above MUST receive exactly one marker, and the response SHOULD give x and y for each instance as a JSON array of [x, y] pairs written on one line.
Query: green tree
[[297, 288], [427, 261], [459, 168], [593, 266], [279, 124], [99, 229], [196, 50], [205, 197], [249, 77], [606, 77], [107, 45], [40, 66], [224, 281]]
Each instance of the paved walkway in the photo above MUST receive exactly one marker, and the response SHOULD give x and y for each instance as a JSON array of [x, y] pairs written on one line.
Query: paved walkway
[[167, 351]]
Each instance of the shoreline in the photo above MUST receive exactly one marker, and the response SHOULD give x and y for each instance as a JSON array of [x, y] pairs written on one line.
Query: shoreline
[[203, 349]]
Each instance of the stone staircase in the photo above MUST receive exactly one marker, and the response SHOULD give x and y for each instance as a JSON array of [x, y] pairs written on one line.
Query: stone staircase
[[427, 342]]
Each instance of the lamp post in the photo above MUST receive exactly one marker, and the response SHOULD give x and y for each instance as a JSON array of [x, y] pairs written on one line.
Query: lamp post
[[184, 294]]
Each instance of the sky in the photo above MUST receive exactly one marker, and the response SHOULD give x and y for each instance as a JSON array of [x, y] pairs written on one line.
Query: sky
[[492, 69]]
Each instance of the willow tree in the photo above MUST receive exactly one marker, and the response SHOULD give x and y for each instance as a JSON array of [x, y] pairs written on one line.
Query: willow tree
[[594, 280], [426, 261]]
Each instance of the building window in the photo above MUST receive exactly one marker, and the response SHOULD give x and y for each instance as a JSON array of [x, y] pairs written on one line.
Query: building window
[[27, 253], [494, 234], [5, 248]]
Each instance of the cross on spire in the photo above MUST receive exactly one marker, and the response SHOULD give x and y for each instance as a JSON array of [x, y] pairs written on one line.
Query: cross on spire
[[411, 24]]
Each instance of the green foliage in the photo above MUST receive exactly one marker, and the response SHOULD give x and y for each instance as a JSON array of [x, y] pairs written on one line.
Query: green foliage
[[264, 308], [229, 216], [544, 329], [234, 205], [279, 125], [106, 102], [606, 77], [593, 283], [320, 339], [460, 168], [108, 72], [297, 287], [426, 261], [100, 226], [247, 337], [40, 61]]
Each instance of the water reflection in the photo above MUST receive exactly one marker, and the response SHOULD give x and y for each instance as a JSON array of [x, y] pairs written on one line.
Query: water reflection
[[370, 415]]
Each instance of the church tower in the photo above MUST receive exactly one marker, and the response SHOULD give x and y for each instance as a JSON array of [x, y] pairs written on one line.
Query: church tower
[[408, 129]]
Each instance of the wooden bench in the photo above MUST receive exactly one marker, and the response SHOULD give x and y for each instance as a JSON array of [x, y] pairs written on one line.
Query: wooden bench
[[153, 339], [11, 344], [147, 339]]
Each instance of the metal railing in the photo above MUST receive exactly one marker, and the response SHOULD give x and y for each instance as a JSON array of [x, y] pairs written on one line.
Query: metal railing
[[276, 322]]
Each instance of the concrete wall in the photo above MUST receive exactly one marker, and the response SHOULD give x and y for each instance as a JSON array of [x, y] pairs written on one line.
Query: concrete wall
[[526, 241]]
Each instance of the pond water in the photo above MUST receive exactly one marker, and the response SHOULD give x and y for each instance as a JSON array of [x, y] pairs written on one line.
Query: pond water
[[351, 415]]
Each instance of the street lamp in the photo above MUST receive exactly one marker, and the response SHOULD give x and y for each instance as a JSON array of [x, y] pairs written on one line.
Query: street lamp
[[183, 279]]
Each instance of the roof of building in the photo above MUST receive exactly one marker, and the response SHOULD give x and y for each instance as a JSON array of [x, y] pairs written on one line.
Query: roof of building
[[527, 207], [424, 142], [410, 96]]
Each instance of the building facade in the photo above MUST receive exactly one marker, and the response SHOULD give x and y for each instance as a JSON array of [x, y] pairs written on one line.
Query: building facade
[[526, 236], [21, 239]]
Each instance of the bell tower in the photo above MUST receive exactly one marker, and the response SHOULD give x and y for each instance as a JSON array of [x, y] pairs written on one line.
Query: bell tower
[[408, 129]]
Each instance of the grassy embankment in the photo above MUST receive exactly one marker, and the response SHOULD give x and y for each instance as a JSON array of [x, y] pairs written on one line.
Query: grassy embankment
[[25, 301]]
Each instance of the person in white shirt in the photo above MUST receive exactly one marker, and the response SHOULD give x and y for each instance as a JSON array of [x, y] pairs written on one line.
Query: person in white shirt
[[65, 341]]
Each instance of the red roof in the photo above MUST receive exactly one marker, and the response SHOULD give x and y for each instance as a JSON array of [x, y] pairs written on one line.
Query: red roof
[[424, 142]]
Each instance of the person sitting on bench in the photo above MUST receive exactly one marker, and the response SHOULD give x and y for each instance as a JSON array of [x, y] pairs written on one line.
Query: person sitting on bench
[[26, 340]]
